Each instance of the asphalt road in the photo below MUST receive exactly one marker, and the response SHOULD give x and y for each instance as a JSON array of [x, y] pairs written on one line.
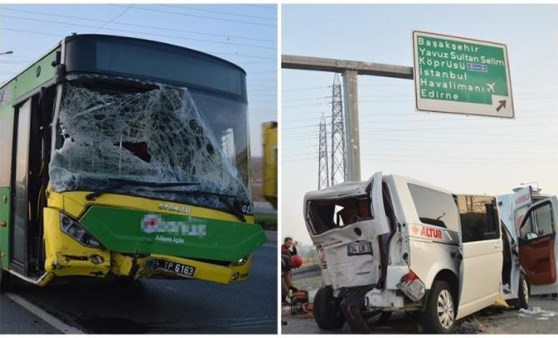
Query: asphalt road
[[490, 321], [541, 318], [154, 306], [16, 320]]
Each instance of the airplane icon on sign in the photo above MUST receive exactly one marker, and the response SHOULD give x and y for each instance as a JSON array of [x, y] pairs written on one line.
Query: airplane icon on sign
[[491, 86]]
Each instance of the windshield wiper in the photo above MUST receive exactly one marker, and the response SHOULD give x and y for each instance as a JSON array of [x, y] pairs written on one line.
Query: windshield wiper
[[118, 183], [223, 198]]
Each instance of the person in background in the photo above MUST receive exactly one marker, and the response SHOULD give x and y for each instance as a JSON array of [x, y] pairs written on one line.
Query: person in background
[[287, 264], [289, 247]]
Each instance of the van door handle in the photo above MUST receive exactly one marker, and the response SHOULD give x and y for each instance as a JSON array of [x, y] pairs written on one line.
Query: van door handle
[[457, 255]]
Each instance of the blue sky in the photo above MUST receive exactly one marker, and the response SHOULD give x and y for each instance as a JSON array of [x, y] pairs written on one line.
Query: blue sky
[[459, 153], [243, 34]]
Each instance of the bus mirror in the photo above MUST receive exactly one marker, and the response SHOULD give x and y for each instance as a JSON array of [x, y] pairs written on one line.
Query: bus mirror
[[59, 73], [57, 59]]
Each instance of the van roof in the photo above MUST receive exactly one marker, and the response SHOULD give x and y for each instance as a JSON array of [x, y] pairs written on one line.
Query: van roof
[[355, 188]]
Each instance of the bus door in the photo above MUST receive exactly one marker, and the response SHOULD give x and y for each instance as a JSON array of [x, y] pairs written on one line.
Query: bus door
[[19, 245]]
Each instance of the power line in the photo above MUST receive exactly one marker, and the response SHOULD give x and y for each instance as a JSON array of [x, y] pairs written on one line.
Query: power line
[[209, 52], [406, 97], [262, 6], [116, 17], [403, 100], [304, 88], [408, 85], [219, 12], [137, 25], [139, 32], [201, 16], [462, 138]]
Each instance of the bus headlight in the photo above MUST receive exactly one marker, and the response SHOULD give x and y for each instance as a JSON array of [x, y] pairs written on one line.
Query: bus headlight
[[240, 262], [78, 232]]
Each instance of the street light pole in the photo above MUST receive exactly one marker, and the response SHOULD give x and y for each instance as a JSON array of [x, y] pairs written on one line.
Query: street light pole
[[8, 52]]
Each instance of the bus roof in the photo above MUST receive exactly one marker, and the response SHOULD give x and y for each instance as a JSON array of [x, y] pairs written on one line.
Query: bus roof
[[107, 36]]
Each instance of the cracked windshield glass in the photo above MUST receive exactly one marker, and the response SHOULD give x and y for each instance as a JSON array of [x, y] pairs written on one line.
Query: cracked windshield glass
[[193, 143]]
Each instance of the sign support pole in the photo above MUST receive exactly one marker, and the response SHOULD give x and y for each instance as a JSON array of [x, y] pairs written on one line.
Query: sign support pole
[[352, 140]]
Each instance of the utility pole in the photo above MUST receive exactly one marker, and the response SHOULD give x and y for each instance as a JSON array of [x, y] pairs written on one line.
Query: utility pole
[[323, 167], [338, 174]]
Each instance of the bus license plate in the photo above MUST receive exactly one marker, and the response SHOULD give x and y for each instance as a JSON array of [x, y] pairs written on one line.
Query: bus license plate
[[359, 248], [179, 269]]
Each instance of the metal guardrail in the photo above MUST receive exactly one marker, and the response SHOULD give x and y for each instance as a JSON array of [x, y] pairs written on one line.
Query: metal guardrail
[[307, 271]]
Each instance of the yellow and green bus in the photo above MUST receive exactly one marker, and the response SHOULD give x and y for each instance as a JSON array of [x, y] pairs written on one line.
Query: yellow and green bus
[[125, 158]]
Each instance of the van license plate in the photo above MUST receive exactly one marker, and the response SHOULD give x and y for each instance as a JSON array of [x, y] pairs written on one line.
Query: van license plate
[[179, 269], [359, 248]]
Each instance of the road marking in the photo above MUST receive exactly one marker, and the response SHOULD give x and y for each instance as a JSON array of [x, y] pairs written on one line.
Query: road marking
[[48, 318]]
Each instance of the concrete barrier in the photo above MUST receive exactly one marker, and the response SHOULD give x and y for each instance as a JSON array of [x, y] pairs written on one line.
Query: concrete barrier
[[271, 236]]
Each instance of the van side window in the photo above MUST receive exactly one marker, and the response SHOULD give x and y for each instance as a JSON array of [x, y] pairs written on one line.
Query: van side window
[[435, 207], [479, 218], [540, 222]]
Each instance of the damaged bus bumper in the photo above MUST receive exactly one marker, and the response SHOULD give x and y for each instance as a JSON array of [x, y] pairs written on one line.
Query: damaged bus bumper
[[70, 252]]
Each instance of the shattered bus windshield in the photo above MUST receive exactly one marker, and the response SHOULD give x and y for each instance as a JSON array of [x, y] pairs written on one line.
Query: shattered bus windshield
[[194, 138]]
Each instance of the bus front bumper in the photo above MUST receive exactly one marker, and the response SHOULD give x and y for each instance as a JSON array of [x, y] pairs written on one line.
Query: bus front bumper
[[67, 257]]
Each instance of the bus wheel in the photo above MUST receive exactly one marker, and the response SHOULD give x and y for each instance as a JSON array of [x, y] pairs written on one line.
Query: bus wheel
[[439, 316], [126, 282], [5, 279], [522, 302], [327, 311]]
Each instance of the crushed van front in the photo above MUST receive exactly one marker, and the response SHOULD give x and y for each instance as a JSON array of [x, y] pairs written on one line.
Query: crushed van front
[[344, 223]]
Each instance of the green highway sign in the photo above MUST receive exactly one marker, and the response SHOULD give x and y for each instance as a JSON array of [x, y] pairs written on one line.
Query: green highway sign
[[463, 76]]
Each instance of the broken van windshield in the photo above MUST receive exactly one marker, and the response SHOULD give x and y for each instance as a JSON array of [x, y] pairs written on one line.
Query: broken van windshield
[[165, 135]]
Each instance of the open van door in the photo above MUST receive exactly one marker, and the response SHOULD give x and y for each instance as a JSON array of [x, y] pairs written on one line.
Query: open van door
[[537, 245], [521, 200], [481, 253], [380, 221]]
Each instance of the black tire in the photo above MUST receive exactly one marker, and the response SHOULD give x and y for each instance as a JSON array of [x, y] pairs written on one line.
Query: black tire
[[522, 302], [125, 282], [327, 311], [384, 317], [415, 316], [5, 280], [434, 321]]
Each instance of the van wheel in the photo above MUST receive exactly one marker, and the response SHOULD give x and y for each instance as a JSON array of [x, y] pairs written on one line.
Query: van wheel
[[384, 317], [327, 311], [439, 316], [523, 299], [5, 280]]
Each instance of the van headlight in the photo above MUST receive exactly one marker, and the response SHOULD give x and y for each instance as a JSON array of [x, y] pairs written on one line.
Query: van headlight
[[78, 232]]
